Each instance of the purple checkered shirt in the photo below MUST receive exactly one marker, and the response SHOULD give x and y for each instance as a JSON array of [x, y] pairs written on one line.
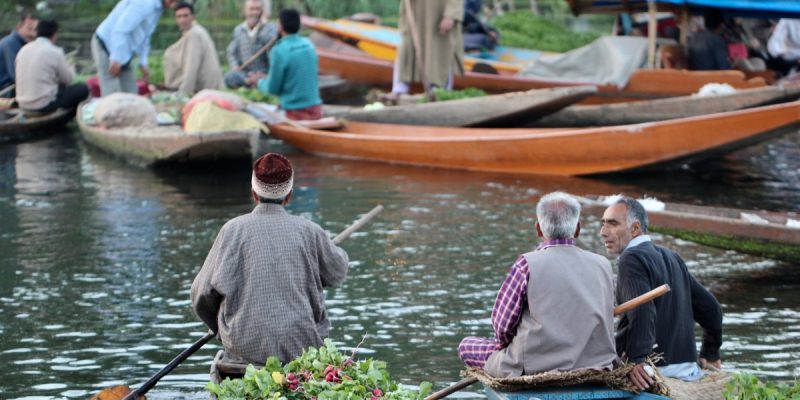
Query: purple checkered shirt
[[507, 311]]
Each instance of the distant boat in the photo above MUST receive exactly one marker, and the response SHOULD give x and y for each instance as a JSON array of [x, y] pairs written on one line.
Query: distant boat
[[767, 234], [17, 125], [664, 109], [382, 42], [169, 144], [499, 109], [644, 84], [556, 151]]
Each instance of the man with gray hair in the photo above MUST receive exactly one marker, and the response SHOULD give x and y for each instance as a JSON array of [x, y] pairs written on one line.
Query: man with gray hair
[[555, 310], [261, 286], [665, 325], [248, 38]]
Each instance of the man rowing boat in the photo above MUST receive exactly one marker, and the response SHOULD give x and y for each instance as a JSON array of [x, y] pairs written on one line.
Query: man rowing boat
[[261, 286]]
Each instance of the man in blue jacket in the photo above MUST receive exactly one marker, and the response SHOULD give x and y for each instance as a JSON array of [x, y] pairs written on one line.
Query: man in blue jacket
[[10, 46], [293, 67], [126, 31]]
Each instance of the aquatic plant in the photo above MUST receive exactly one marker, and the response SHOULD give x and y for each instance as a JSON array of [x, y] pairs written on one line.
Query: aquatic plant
[[748, 387]]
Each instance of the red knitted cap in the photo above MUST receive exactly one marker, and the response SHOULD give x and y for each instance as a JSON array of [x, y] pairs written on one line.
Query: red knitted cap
[[272, 176]]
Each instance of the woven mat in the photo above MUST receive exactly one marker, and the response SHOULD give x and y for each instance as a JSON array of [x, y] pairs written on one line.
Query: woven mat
[[616, 379], [708, 388]]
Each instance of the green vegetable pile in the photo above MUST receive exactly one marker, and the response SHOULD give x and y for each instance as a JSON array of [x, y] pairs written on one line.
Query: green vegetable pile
[[523, 29], [255, 95], [445, 95], [748, 387], [318, 374]]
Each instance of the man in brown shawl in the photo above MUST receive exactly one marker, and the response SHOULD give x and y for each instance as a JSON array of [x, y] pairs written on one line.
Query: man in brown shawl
[[191, 64], [261, 286], [438, 24]]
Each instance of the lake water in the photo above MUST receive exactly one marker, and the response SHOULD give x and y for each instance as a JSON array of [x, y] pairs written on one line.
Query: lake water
[[97, 258]]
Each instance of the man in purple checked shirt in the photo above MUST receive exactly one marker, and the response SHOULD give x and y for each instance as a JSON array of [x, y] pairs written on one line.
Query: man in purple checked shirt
[[555, 310]]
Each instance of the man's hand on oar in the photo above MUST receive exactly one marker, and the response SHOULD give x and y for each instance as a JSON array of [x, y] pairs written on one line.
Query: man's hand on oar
[[125, 393]]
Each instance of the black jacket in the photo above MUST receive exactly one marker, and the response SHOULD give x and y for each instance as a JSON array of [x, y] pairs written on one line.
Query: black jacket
[[668, 321]]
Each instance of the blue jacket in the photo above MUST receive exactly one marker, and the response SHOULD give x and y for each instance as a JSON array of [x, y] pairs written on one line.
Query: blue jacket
[[127, 29], [293, 67], [9, 47]]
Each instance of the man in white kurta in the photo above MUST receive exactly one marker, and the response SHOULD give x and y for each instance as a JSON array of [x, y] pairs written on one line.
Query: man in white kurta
[[191, 64]]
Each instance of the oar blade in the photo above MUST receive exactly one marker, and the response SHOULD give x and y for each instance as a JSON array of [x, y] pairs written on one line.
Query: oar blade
[[115, 393]]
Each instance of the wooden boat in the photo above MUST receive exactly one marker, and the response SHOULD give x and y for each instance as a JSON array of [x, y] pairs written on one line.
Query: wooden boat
[[664, 109], [500, 109], [382, 42], [167, 144], [579, 151], [570, 392], [16, 125], [643, 84], [767, 234]]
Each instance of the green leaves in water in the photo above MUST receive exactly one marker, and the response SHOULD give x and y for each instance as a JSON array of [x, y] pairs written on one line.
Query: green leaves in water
[[748, 387], [323, 374]]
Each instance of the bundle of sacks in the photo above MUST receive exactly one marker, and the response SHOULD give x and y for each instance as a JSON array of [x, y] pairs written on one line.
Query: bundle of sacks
[[123, 110], [213, 110]]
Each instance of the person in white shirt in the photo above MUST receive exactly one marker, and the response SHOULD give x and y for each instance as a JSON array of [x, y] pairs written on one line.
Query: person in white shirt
[[784, 45]]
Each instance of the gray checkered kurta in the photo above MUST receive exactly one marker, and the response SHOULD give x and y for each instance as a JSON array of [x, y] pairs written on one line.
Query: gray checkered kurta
[[242, 47], [262, 284]]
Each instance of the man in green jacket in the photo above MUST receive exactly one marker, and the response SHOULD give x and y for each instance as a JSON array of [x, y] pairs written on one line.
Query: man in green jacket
[[293, 70]]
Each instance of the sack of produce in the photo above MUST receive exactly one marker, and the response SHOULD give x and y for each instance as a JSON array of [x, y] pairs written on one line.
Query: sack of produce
[[121, 110], [224, 100]]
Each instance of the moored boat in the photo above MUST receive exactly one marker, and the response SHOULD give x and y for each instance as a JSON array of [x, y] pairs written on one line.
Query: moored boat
[[17, 125], [500, 109], [579, 151], [768, 234], [665, 109], [166, 144], [643, 84]]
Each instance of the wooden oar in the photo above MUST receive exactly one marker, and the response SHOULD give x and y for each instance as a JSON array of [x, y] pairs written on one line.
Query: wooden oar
[[622, 308], [117, 392]]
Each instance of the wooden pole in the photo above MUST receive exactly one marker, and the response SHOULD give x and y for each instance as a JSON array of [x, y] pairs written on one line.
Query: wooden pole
[[684, 27], [622, 308], [257, 54], [652, 32]]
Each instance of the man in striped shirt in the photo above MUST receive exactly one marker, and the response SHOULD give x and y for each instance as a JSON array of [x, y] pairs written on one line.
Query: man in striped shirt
[[554, 312]]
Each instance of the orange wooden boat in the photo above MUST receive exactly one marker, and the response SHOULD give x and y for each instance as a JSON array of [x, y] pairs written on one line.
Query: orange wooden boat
[[555, 151], [643, 84]]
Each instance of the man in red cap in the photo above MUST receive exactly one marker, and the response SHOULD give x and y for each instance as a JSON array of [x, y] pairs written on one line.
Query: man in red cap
[[261, 286]]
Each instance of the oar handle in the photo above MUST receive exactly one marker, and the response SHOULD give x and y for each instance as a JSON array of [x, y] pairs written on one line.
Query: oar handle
[[622, 308], [145, 387], [639, 300], [358, 224]]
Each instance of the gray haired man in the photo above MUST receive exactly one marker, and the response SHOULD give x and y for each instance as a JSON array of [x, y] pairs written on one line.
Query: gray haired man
[[667, 323], [555, 309], [248, 38]]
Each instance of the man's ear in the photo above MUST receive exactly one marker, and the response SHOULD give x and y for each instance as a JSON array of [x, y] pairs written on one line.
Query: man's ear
[[539, 230], [636, 228], [578, 230]]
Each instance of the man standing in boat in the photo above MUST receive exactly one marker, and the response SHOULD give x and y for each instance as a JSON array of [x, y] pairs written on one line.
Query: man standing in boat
[[261, 286], [438, 24], [555, 295], [293, 69], [665, 325]]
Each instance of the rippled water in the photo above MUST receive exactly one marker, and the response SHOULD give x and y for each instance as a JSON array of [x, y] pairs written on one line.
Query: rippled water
[[97, 258]]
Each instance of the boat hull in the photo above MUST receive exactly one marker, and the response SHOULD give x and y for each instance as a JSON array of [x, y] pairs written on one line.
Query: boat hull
[[150, 146], [550, 151], [17, 129]]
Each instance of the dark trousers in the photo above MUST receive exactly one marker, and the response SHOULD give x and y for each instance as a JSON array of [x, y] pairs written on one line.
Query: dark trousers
[[68, 97]]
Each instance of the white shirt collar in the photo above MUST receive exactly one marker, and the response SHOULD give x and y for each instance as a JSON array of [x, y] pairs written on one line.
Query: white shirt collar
[[637, 241]]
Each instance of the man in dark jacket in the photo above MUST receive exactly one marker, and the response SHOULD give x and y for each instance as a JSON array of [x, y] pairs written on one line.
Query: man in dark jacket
[[665, 325]]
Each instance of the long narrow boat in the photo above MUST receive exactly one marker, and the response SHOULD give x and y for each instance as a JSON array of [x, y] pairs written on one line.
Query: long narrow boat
[[500, 109], [168, 144], [382, 42], [767, 234], [664, 109], [16, 125], [579, 151], [643, 84]]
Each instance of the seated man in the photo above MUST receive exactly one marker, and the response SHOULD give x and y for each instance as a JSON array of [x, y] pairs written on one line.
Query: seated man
[[191, 64], [477, 35], [293, 67], [261, 286], [707, 49], [665, 325], [43, 75], [10, 46], [555, 310], [784, 46], [248, 38]]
